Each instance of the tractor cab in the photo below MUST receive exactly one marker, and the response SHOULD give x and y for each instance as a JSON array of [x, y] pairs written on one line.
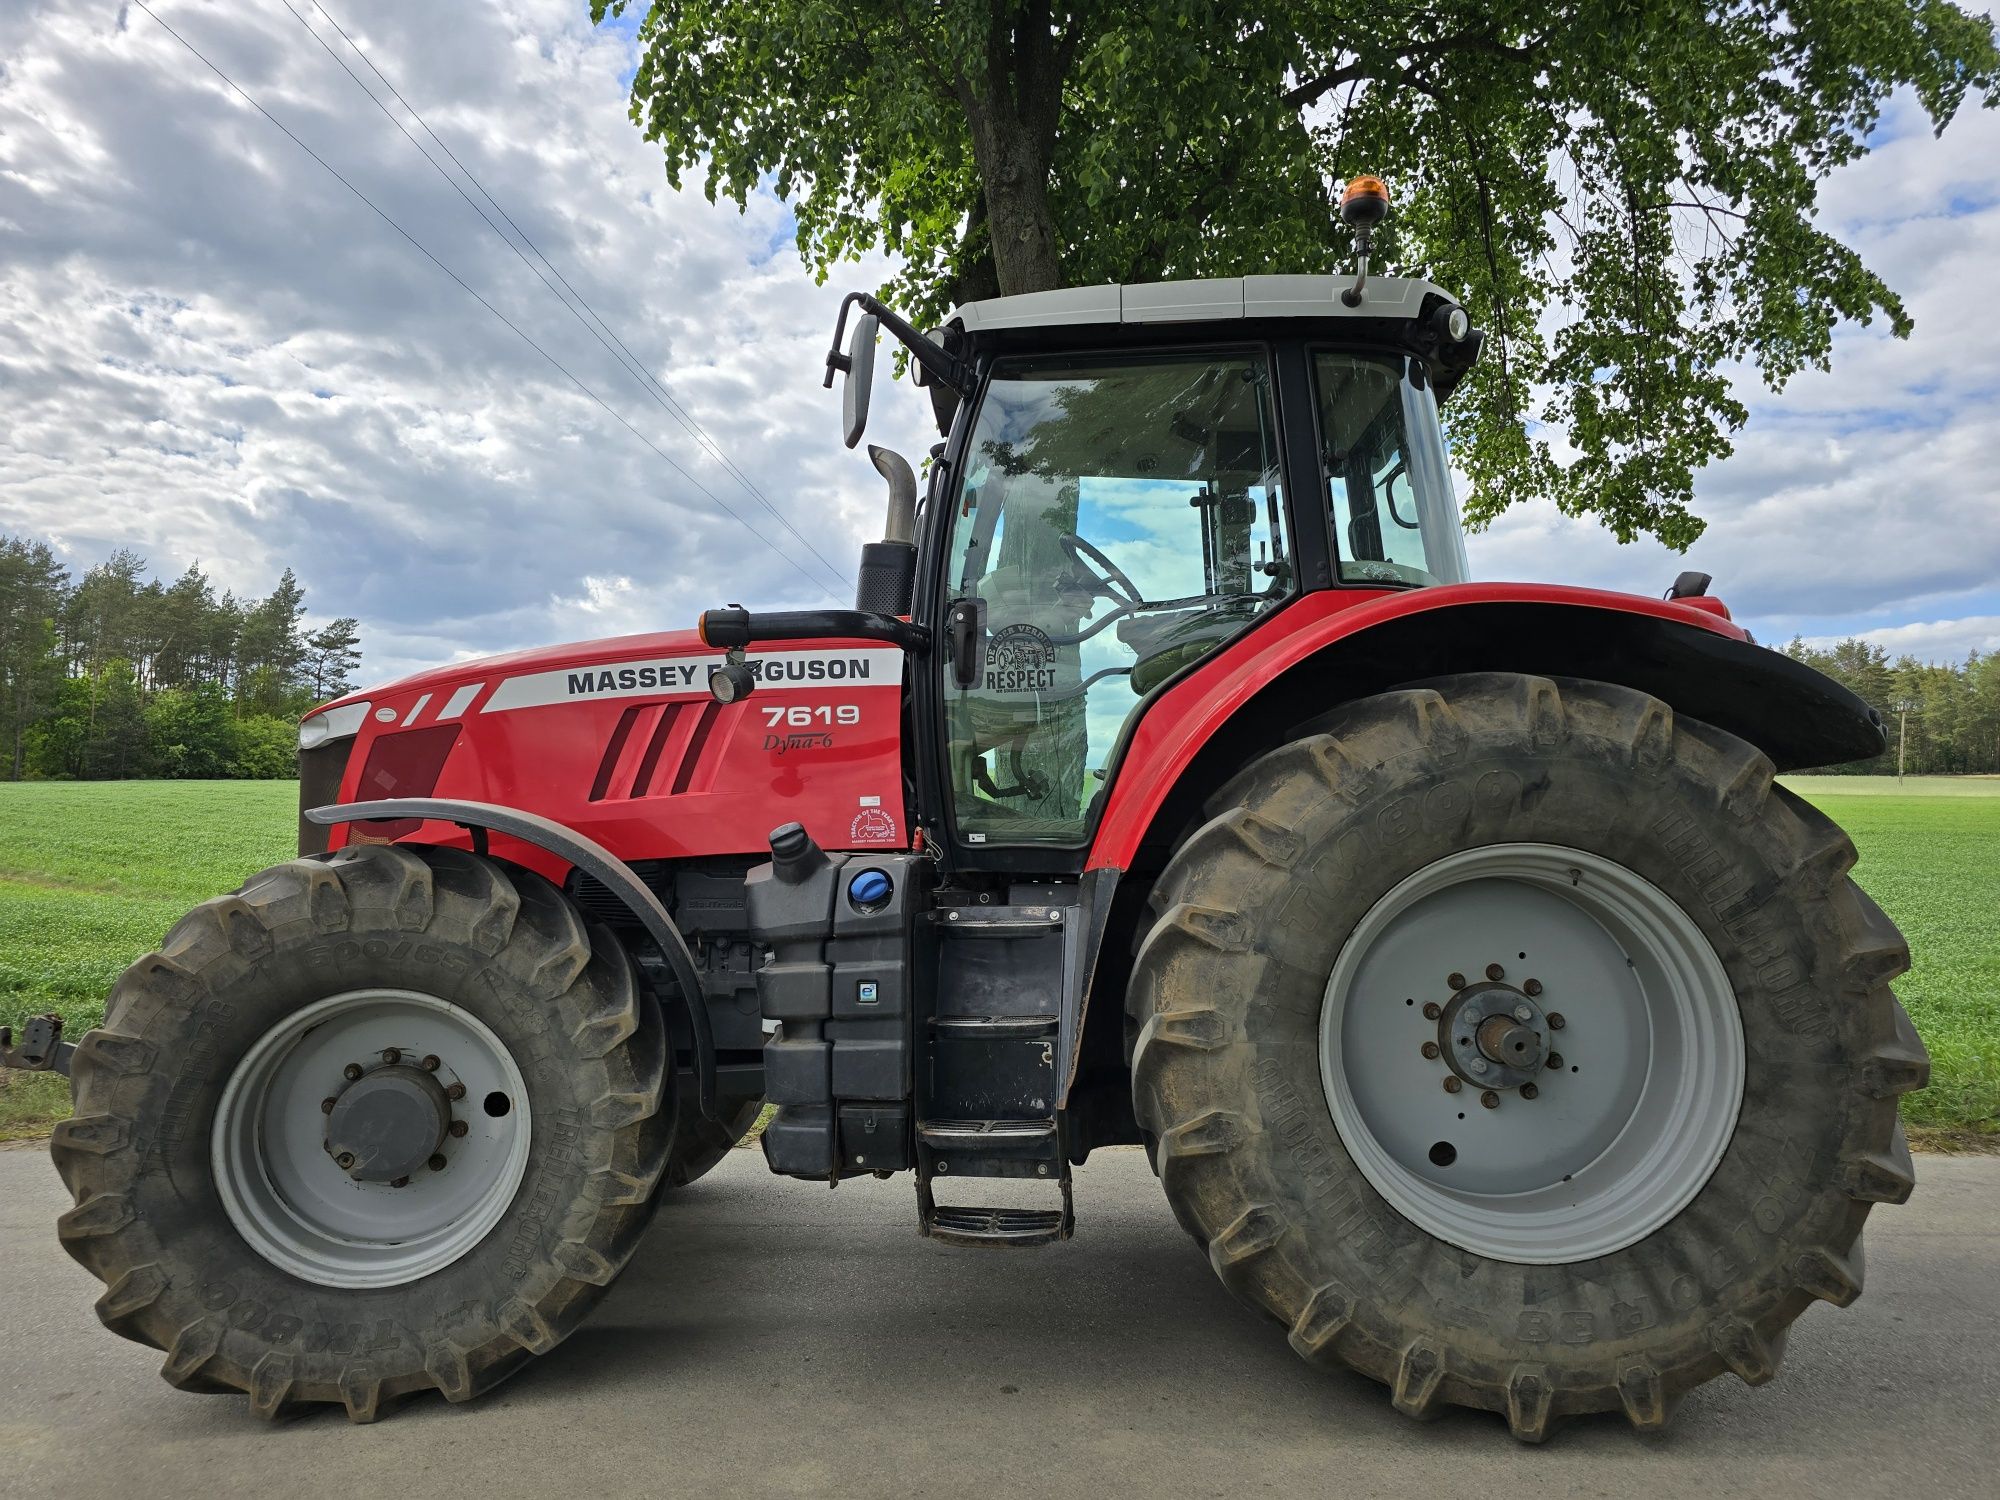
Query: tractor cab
[[1135, 476]]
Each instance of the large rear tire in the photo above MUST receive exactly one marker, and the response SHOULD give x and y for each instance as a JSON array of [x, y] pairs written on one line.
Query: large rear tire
[[1664, 1198], [497, 1042]]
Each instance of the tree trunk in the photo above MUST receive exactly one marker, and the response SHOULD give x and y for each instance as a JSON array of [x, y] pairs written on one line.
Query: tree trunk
[[1012, 113], [1021, 227]]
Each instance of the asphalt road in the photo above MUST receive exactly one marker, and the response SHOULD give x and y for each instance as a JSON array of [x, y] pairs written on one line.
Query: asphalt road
[[777, 1339]]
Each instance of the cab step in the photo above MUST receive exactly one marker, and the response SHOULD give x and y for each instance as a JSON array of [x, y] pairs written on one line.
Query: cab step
[[995, 1228], [986, 1135]]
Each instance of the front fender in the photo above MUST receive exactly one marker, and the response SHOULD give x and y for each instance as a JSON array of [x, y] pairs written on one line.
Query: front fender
[[571, 847]]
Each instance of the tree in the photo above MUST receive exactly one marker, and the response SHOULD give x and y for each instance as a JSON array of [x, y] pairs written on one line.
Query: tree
[[191, 732], [331, 654], [1624, 195], [269, 652], [33, 586]]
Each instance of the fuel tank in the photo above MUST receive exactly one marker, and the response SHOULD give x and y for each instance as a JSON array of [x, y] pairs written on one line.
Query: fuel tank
[[621, 740]]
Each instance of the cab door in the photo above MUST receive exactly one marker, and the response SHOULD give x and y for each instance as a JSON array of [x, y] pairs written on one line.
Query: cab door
[[1114, 517]]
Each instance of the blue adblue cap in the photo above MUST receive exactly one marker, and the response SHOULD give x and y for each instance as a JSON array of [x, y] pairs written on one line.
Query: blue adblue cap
[[869, 888]]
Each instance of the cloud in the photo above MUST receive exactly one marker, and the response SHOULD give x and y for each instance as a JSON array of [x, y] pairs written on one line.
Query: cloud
[[211, 350], [1932, 640]]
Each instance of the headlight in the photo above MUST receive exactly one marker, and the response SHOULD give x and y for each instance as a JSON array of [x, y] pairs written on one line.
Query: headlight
[[334, 724]]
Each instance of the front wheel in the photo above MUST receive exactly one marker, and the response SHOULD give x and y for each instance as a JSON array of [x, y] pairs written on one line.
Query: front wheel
[[1524, 1048], [377, 1124]]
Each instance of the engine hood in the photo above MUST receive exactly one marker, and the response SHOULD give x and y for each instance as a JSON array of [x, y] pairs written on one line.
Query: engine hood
[[446, 679]]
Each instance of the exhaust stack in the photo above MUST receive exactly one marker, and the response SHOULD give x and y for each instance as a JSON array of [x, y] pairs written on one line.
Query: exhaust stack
[[889, 567]]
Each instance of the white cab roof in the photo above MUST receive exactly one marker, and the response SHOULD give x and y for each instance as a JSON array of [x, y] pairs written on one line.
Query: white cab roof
[[1196, 301]]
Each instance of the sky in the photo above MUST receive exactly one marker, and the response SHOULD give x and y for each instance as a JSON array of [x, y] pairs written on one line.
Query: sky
[[213, 351]]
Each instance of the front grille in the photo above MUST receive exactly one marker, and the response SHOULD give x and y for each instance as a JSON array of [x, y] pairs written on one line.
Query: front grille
[[320, 771]]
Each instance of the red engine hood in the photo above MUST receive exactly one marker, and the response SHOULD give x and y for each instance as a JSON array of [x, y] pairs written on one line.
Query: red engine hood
[[533, 659]]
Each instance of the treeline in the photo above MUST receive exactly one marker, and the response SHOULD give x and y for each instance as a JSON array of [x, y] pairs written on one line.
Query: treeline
[[114, 675], [1945, 719]]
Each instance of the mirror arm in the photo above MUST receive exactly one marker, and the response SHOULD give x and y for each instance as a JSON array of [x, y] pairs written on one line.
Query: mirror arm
[[940, 365]]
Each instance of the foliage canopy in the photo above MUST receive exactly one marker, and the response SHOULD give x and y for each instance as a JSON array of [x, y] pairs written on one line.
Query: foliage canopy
[[1624, 193]]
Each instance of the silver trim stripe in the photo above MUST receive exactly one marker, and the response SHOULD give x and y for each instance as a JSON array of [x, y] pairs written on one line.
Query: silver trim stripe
[[415, 709], [460, 700], [826, 671]]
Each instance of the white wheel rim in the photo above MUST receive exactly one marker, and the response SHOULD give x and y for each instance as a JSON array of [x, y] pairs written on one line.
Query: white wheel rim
[[1617, 1140], [296, 1207]]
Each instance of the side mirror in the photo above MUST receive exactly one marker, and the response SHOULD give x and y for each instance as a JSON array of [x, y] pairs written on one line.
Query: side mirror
[[860, 374]]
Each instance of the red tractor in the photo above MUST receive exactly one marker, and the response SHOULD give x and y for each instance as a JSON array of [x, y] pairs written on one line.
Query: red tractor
[[1490, 1017]]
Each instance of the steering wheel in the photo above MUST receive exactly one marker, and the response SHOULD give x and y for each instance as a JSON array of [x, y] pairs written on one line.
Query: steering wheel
[[1110, 573]]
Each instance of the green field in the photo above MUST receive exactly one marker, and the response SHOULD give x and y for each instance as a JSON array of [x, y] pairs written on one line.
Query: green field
[[92, 875]]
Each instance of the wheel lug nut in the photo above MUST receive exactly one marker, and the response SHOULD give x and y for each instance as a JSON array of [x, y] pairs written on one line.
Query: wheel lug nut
[[1453, 1085], [344, 1160], [392, 1055], [1556, 1022], [1456, 981], [351, 1072], [1522, 1013], [436, 1163], [1490, 1099], [1529, 1091], [1555, 1060], [1495, 973], [400, 1182], [1532, 987], [430, 1062], [1432, 1010], [454, 1091], [326, 1106], [459, 1127], [1430, 1049]]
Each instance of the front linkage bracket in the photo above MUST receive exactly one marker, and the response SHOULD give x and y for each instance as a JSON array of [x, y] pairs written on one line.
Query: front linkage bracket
[[41, 1048], [481, 818]]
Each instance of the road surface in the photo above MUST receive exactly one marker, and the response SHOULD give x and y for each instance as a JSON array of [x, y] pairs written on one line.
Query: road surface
[[777, 1339]]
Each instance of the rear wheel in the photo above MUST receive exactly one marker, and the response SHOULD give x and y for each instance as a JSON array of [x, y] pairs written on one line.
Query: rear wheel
[[373, 1125], [1524, 1049]]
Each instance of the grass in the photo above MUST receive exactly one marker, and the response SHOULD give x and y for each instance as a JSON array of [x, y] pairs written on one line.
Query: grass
[[1932, 859], [92, 875]]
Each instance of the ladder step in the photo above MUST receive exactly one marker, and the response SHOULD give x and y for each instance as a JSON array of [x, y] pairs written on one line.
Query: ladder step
[[956, 923], [999, 1226], [962, 1134], [968, 1028]]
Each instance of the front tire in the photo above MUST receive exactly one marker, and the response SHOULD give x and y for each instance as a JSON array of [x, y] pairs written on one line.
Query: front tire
[[459, 1215], [1273, 1068]]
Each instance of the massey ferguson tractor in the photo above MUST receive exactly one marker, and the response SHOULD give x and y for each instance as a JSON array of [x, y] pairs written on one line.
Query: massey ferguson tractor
[[1489, 1016]]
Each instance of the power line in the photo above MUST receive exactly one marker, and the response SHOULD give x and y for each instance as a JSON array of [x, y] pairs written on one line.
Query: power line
[[607, 337], [464, 286]]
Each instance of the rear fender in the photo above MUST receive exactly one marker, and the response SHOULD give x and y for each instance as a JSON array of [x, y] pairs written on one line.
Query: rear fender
[[1249, 698], [573, 849]]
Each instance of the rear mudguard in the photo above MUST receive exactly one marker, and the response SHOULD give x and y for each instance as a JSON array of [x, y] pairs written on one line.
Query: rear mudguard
[[571, 848], [1332, 648]]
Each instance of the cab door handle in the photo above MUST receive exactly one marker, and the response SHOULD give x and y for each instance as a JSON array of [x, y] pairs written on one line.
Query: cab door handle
[[965, 628]]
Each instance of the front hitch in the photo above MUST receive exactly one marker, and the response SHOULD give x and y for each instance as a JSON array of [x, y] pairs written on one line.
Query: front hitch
[[41, 1048]]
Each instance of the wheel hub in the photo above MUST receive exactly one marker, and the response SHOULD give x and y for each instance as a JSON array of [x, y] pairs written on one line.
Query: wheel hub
[[1493, 1036], [387, 1124]]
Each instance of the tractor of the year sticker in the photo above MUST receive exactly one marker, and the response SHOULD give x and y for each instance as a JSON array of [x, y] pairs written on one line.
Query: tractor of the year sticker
[[872, 825], [1020, 659]]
